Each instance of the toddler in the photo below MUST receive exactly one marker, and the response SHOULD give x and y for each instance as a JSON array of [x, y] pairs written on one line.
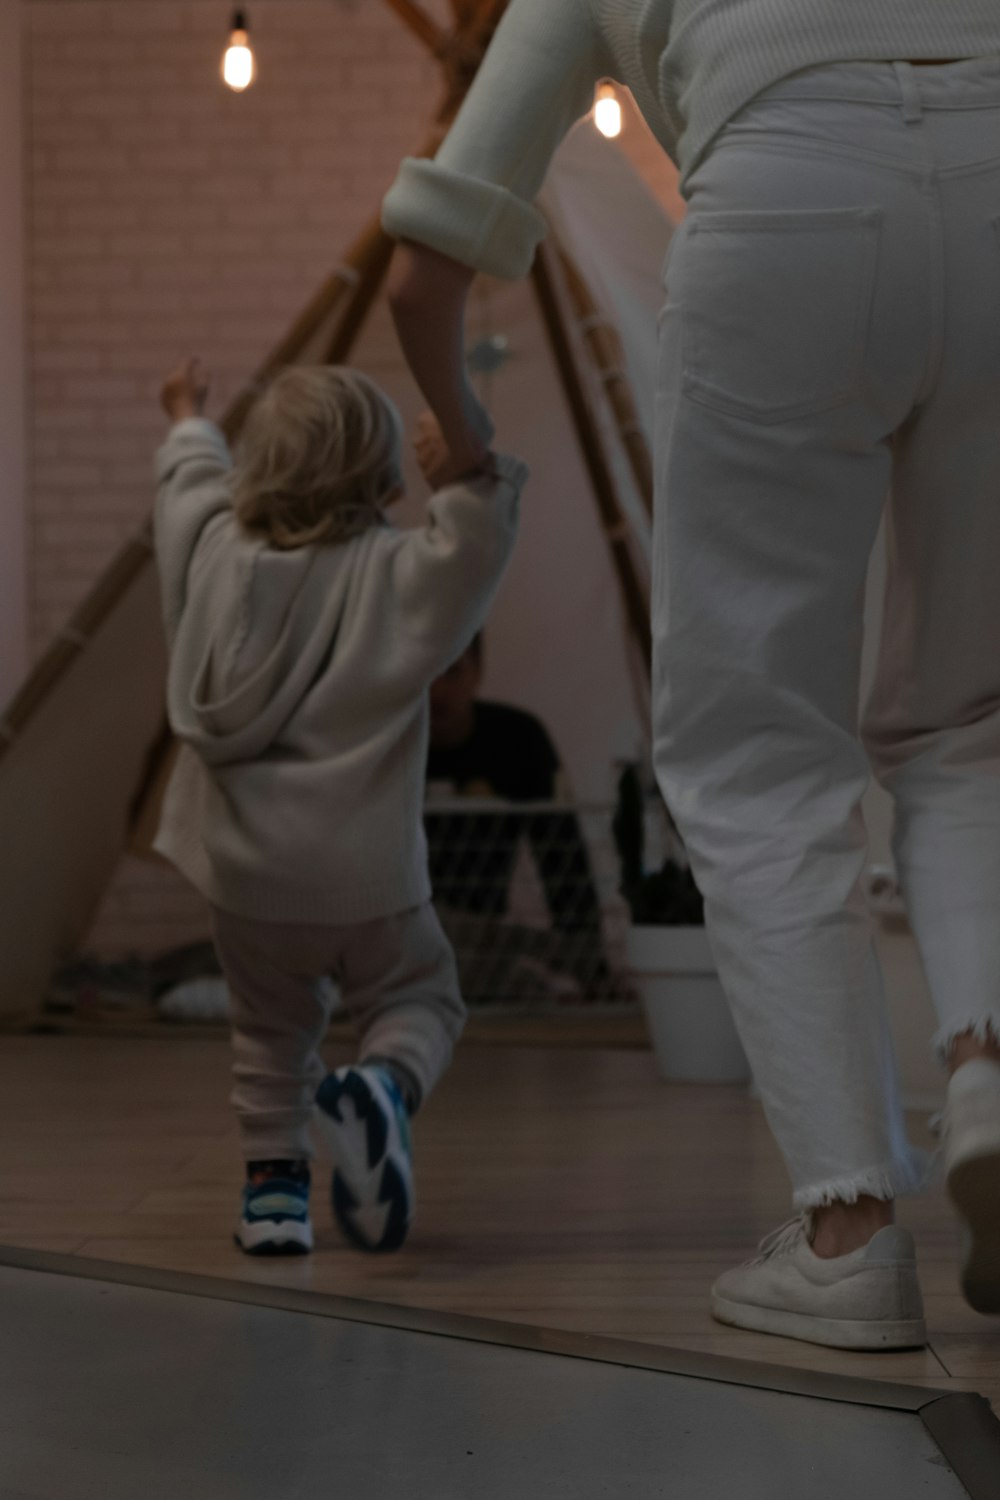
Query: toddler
[[304, 631]]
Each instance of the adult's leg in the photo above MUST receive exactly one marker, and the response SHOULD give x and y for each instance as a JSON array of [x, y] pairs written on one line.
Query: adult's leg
[[933, 724], [791, 349]]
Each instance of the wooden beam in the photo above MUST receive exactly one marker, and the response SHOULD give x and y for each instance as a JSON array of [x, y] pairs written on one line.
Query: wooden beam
[[464, 51], [421, 24], [613, 522], [605, 346], [372, 266], [477, 17], [306, 327], [113, 584], [372, 277]]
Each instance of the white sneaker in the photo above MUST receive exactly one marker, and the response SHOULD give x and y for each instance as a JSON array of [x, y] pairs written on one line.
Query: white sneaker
[[869, 1299], [971, 1129], [205, 999]]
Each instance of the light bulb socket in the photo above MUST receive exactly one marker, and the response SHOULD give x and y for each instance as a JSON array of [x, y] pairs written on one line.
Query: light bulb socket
[[239, 22]]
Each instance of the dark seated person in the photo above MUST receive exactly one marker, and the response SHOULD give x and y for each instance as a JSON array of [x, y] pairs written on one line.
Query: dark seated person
[[491, 752]]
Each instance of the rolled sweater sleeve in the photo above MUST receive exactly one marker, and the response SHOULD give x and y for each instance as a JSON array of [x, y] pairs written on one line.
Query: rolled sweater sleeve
[[473, 202], [192, 470], [446, 573]]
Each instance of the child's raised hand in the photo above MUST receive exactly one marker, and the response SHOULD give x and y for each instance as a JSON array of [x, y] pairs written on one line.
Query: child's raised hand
[[185, 391], [429, 446], [438, 464]]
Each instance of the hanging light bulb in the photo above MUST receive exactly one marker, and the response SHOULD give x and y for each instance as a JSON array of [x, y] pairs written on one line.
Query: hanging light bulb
[[238, 66], [608, 111]]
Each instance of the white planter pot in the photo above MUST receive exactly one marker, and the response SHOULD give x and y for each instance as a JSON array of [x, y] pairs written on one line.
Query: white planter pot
[[690, 1024]]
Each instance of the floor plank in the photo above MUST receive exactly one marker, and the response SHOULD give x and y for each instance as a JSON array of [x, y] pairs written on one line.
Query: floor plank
[[563, 1187]]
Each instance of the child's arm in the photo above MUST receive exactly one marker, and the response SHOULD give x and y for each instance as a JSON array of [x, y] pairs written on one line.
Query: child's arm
[[191, 471], [185, 391], [195, 449], [447, 572]]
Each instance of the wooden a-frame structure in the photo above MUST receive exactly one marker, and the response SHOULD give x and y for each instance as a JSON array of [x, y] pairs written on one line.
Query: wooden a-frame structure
[[84, 746]]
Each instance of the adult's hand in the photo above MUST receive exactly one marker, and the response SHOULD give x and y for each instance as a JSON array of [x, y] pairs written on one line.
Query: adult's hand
[[439, 464]]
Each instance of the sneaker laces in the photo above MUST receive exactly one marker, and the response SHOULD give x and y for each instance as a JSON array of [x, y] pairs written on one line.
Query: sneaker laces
[[784, 1240]]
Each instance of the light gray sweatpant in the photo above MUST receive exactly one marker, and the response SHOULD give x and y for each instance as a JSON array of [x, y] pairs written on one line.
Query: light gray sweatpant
[[397, 981], [831, 334]]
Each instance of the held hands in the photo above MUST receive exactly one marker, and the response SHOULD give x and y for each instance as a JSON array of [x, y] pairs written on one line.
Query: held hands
[[185, 391], [441, 462]]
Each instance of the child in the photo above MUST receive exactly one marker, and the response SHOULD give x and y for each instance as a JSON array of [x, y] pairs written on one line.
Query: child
[[304, 632]]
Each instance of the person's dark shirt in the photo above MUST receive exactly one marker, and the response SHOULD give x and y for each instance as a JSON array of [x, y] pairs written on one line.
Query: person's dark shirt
[[509, 756]]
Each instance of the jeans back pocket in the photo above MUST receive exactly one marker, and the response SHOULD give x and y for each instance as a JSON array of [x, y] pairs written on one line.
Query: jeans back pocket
[[775, 308]]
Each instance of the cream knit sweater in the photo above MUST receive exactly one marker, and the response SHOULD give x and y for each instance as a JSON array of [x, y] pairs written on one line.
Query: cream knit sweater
[[691, 64], [298, 688]]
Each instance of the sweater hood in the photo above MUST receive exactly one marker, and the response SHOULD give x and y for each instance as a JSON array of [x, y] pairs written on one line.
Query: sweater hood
[[231, 688]]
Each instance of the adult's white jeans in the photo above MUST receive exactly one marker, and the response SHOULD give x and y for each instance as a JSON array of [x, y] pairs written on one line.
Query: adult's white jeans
[[832, 334]]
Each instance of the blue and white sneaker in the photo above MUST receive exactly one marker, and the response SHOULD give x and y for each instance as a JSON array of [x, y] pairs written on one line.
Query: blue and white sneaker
[[275, 1219], [364, 1118]]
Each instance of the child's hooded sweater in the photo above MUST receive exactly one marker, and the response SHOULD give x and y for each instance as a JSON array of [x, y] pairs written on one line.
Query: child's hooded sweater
[[298, 688]]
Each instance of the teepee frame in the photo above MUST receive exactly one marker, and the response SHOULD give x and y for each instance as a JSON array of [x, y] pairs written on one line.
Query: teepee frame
[[47, 795]]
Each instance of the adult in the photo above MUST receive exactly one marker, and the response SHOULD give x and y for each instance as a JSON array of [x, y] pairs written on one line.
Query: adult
[[831, 332], [503, 760]]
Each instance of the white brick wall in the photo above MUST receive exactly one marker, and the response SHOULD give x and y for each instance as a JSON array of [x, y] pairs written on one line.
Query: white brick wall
[[168, 216]]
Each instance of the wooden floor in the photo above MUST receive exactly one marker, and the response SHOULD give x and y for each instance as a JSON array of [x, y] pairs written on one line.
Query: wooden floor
[[565, 1187]]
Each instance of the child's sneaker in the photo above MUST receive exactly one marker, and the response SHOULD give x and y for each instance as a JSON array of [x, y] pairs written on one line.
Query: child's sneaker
[[365, 1120], [275, 1219], [869, 1299], [971, 1129]]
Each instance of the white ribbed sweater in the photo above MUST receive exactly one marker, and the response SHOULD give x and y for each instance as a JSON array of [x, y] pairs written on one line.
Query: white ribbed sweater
[[691, 64]]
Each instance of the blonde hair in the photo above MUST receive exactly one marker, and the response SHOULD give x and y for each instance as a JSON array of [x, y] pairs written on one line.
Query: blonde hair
[[320, 456]]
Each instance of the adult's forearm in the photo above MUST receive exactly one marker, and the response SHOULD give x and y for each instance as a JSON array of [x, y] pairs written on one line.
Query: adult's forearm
[[428, 294]]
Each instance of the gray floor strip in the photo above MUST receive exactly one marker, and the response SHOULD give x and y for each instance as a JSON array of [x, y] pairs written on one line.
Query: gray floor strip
[[533, 1404]]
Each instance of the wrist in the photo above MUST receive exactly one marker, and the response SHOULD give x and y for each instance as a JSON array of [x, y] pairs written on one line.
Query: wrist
[[477, 422], [466, 445], [460, 468]]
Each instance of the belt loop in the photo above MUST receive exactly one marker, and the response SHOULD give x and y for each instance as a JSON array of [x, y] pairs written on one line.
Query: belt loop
[[906, 77]]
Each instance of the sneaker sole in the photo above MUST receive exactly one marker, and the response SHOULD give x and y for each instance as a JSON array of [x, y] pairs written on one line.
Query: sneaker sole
[[834, 1333], [974, 1189], [290, 1238], [372, 1176]]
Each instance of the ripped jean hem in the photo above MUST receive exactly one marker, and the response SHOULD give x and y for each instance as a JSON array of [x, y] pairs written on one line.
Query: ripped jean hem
[[983, 1028], [909, 1174]]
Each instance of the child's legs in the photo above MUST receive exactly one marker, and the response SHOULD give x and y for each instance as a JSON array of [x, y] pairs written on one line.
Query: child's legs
[[791, 349], [280, 1015], [400, 986], [933, 725]]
